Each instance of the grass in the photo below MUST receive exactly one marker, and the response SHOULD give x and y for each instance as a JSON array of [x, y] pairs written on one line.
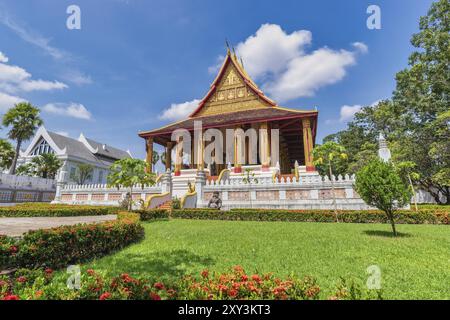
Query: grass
[[415, 265]]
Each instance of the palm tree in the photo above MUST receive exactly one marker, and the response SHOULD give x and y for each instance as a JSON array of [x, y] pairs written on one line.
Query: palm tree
[[6, 154], [23, 119], [46, 165]]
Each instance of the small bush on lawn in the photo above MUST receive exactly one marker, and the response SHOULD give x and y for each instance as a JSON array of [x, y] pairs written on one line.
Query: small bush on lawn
[[351, 216], [54, 210], [43, 285], [59, 247], [153, 214]]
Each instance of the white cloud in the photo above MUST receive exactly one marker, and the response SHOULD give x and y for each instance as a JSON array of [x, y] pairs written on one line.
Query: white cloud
[[178, 111], [8, 101], [3, 58], [74, 110], [280, 61], [348, 112], [306, 74], [14, 79], [76, 77], [270, 49], [362, 47]]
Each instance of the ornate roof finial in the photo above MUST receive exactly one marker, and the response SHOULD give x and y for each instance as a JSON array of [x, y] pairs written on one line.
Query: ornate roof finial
[[228, 45]]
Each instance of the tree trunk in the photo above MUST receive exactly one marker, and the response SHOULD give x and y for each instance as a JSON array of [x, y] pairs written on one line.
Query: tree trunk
[[414, 192], [391, 218], [130, 202], [12, 170], [334, 194]]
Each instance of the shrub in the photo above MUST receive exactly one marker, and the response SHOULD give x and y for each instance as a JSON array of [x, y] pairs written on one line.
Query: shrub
[[350, 216], [380, 186], [234, 285], [59, 247], [54, 210], [153, 214]]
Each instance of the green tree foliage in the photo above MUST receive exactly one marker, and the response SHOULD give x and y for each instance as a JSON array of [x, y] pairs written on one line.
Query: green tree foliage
[[83, 173], [26, 169], [23, 120], [380, 186], [46, 165], [6, 154], [416, 120], [128, 173]]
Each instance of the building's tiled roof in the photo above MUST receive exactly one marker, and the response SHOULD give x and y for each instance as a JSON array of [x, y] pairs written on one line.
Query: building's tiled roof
[[246, 116], [77, 149], [108, 151]]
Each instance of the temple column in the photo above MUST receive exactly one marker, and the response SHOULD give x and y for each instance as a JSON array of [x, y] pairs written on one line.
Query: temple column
[[308, 144], [169, 146], [149, 156], [264, 146], [200, 150], [178, 156], [238, 150]]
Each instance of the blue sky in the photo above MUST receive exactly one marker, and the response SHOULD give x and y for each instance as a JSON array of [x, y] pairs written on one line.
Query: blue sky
[[133, 60]]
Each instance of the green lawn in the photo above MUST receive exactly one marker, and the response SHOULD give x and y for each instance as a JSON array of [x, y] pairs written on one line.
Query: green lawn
[[415, 265]]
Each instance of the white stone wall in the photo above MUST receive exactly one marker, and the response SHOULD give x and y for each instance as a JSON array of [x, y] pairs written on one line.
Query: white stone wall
[[101, 194], [309, 192], [25, 182]]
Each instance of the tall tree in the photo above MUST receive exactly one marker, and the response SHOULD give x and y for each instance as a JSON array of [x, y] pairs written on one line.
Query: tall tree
[[23, 119], [46, 165], [422, 92], [6, 154]]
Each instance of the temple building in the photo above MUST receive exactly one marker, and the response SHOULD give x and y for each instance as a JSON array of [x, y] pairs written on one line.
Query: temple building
[[234, 101]]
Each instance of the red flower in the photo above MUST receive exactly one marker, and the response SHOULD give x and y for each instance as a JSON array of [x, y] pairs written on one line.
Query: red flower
[[21, 279], [48, 271], [244, 277], [154, 296], [13, 249], [105, 296], [232, 293], [205, 273], [158, 286], [90, 272], [256, 278], [11, 297]]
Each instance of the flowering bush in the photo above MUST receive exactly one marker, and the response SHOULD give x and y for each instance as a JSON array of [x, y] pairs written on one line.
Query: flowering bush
[[66, 245], [434, 216], [152, 214], [42, 284]]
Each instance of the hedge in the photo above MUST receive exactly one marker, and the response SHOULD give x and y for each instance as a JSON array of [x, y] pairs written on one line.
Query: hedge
[[351, 216], [54, 210], [153, 214], [62, 246]]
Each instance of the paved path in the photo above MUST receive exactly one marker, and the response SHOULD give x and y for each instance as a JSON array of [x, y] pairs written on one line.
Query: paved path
[[17, 226]]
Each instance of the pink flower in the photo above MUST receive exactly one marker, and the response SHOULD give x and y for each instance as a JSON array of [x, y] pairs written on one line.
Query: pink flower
[[105, 296]]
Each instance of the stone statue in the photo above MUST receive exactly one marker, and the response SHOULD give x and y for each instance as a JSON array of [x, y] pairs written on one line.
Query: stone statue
[[215, 202]]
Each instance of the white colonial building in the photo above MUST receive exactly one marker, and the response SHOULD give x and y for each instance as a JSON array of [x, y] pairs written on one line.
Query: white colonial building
[[73, 152]]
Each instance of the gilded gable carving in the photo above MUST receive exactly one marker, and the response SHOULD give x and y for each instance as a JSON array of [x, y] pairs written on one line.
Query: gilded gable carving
[[231, 94]]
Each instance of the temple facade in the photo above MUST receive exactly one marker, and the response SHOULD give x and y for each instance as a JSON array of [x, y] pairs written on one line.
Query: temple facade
[[235, 102]]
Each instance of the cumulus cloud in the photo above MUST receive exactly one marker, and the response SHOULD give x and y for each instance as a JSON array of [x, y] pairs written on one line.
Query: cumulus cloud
[[14, 78], [7, 101], [73, 110], [3, 58], [178, 111], [348, 112], [281, 62]]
